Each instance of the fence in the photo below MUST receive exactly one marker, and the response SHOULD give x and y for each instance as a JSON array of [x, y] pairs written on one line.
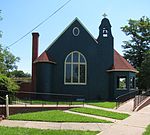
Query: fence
[[123, 98], [41, 98], [140, 98]]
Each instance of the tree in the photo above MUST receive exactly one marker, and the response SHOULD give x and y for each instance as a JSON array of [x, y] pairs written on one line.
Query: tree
[[144, 74], [1, 56], [7, 84], [7, 63], [19, 73], [7, 59], [0, 30], [136, 48]]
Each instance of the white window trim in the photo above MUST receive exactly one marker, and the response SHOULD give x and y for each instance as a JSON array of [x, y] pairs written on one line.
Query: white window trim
[[78, 63], [78, 31]]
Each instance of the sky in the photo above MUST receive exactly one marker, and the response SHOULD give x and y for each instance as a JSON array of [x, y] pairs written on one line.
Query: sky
[[21, 16]]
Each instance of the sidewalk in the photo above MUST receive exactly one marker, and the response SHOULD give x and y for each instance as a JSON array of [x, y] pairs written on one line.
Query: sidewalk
[[93, 116], [122, 110], [56, 125], [127, 106], [133, 125]]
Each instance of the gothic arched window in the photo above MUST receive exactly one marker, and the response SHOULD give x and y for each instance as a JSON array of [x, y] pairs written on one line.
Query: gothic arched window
[[75, 69]]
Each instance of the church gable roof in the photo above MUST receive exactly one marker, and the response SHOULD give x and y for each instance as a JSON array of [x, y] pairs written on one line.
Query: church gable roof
[[76, 20], [121, 64], [44, 57]]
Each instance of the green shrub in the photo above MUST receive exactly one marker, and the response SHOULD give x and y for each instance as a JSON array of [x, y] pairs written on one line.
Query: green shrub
[[7, 84]]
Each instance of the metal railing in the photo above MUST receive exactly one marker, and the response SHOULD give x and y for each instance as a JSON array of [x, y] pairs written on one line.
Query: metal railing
[[123, 98], [42, 98], [140, 98]]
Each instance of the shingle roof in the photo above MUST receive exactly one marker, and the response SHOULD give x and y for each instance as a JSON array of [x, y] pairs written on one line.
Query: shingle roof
[[121, 64], [44, 58]]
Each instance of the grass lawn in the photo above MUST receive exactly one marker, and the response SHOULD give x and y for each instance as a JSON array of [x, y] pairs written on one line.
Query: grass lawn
[[147, 132], [31, 131], [103, 104], [55, 116], [99, 112]]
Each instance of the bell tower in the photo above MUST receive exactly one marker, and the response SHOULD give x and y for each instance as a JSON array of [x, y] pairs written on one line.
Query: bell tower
[[105, 41], [104, 29]]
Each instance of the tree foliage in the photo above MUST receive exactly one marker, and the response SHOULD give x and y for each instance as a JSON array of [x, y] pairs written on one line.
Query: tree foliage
[[144, 74], [19, 73], [7, 61], [0, 30], [7, 84], [7, 64], [139, 43]]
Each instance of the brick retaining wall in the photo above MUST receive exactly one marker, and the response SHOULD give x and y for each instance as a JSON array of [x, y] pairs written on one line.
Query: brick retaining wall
[[23, 109]]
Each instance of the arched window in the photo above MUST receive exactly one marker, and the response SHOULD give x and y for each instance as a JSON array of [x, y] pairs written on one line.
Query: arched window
[[75, 69]]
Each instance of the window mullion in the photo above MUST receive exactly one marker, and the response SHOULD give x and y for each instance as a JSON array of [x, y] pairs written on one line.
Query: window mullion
[[72, 68], [78, 68], [85, 72]]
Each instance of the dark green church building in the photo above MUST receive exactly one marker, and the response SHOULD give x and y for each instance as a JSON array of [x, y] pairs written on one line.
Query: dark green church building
[[79, 64]]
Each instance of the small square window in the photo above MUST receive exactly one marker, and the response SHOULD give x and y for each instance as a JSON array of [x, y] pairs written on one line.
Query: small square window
[[122, 82]]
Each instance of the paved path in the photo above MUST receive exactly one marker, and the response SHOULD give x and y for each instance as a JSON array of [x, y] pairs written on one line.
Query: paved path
[[127, 106], [133, 125], [56, 125], [113, 110], [93, 116]]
